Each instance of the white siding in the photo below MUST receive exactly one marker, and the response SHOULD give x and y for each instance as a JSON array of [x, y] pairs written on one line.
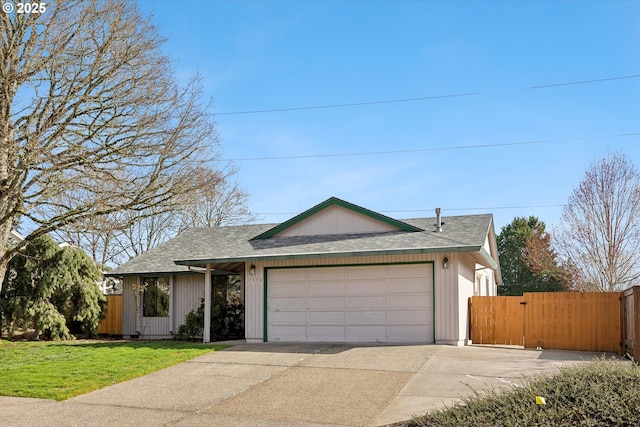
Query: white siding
[[337, 220], [466, 276], [129, 306], [132, 321], [155, 327], [487, 246], [254, 304], [188, 290], [447, 324], [485, 282], [446, 298]]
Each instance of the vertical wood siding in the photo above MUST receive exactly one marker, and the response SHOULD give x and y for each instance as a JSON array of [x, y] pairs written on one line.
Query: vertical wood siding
[[446, 299], [466, 278], [129, 306], [132, 321], [188, 291], [155, 327], [336, 220]]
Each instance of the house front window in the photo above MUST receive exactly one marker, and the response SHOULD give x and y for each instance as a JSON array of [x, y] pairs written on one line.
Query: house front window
[[155, 301]]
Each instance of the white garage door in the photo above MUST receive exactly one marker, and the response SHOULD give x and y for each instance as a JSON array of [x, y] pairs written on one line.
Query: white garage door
[[383, 303]]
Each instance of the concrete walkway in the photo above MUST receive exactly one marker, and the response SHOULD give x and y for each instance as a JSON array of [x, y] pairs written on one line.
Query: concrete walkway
[[308, 385]]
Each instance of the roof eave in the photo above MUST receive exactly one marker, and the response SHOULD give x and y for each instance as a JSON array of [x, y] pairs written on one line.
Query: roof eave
[[148, 273], [490, 262], [403, 251]]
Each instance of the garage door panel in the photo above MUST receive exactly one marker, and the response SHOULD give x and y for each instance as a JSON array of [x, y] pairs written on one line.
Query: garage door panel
[[325, 274], [367, 302], [323, 303], [366, 287], [407, 284], [289, 332], [328, 317], [367, 273], [288, 317], [364, 333], [409, 301], [325, 288], [409, 271], [286, 304], [382, 303], [288, 275], [287, 289], [407, 332], [366, 317], [409, 317], [334, 331]]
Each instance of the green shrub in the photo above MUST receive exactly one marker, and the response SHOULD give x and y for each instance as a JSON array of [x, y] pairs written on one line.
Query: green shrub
[[227, 321], [605, 392], [51, 290], [192, 328]]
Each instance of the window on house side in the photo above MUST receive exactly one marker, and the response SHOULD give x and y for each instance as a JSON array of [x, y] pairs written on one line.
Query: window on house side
[[155, 301]]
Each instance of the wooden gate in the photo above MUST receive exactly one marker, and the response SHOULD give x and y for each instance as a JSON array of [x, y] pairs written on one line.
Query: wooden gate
[[630, 306], [587, 321], [112, 323], [497, 320]]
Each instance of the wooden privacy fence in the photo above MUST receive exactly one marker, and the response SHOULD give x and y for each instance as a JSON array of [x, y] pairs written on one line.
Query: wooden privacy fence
[[497, 320], [112, 323], [587, 321], [630, 321]]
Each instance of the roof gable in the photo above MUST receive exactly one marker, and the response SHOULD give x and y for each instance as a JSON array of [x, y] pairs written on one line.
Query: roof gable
[[335, 216]]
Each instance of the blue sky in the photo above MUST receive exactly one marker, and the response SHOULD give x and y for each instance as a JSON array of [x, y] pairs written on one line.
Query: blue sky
[[264, 55]]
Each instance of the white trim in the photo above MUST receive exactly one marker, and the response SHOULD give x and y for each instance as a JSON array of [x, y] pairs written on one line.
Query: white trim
[[206, 334], [171, 303]]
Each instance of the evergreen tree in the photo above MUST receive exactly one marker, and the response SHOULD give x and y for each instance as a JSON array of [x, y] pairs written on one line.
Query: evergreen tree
[[52, 290], [527, 261]]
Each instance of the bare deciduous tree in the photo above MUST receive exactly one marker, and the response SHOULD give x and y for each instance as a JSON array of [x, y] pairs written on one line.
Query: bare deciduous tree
[[216, 205], [214, 200], [92, 120], [600, 232]]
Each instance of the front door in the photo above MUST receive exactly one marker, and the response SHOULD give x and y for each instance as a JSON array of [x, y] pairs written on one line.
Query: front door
[[227, 308]]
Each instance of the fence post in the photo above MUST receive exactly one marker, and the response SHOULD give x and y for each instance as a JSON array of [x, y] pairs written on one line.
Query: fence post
[[636, 324], [623, 322], [470, 318]]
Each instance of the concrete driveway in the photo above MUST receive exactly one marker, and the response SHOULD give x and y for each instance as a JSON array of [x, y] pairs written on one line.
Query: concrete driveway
[[277, 384]]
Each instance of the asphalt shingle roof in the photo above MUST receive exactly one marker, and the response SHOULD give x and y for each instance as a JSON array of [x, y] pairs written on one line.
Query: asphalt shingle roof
[[234, 244]]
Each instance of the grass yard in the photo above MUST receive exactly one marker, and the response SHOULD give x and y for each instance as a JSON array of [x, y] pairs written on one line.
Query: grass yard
[[55, 370], [605, 392]]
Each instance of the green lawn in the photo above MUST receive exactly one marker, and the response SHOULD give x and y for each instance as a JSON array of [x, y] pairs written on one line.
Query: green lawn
[[55, 370]]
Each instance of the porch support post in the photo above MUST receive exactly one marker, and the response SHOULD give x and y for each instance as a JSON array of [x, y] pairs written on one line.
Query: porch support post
[[206, 334]]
